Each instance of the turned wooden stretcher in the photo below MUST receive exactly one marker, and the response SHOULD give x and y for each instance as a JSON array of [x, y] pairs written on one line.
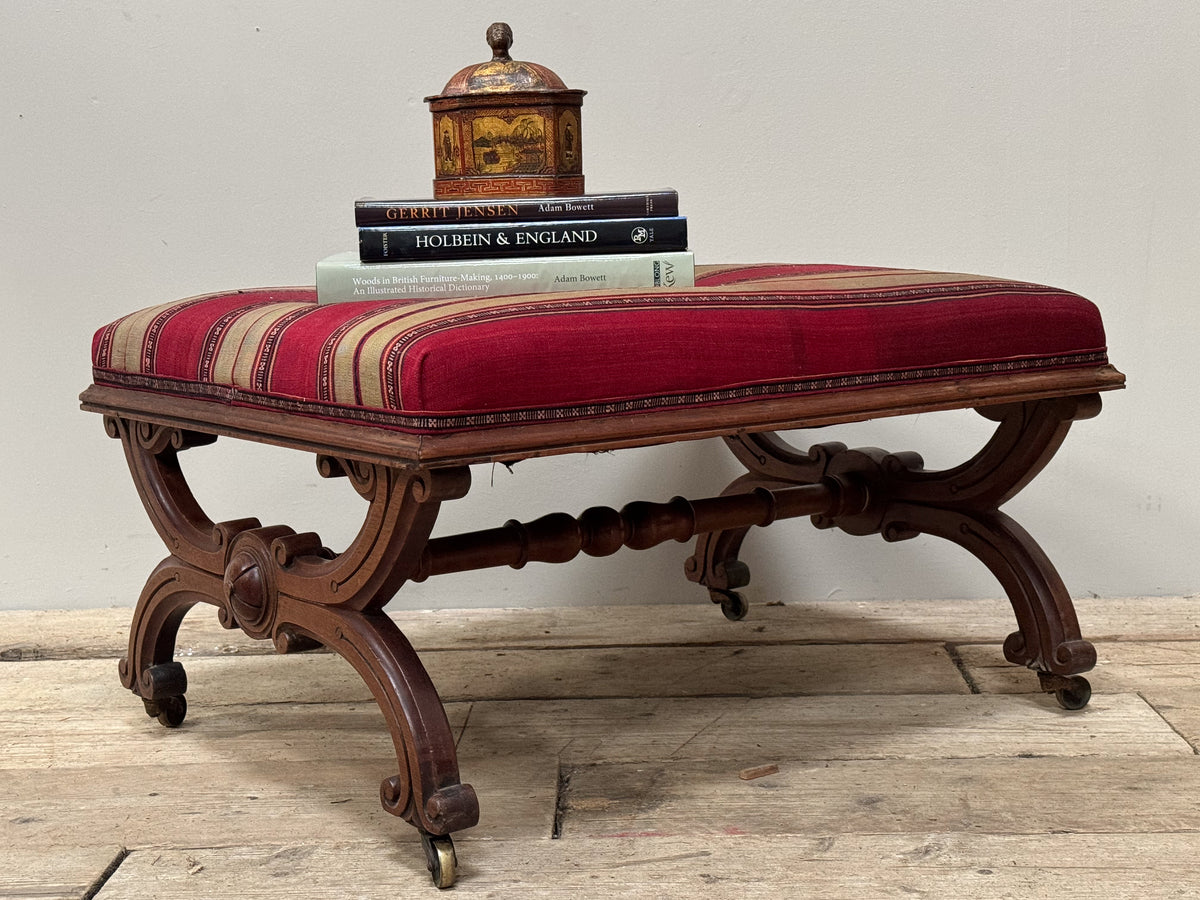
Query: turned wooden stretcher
[[402, 398]]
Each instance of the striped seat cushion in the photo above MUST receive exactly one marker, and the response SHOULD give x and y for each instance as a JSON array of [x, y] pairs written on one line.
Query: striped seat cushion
[[745, 332]]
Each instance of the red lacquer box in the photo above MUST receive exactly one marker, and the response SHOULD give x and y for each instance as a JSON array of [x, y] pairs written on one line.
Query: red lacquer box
[[506, 128]]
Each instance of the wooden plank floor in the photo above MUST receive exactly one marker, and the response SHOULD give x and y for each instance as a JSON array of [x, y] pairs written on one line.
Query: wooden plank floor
[[905, 758]]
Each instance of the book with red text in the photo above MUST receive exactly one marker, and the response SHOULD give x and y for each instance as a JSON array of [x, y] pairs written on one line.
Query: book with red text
[[632, 205]]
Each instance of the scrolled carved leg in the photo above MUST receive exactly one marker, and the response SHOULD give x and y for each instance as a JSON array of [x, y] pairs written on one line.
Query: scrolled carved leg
[[715, 562], [772, 464], [149, 669], [286, 587], [290, 588], [427, 792], [192, 574], [960, 505], [1048, 637]]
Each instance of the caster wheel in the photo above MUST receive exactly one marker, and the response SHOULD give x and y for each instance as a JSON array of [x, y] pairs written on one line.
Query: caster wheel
[[440, 858], [1076, 695], [735, 607], [733, 604], [171, 711], [1071, 691]]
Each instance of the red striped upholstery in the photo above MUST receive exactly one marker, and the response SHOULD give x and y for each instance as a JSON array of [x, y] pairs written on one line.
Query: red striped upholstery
[[453, 364]]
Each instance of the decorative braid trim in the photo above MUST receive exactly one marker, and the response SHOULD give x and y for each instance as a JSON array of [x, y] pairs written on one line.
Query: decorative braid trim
[[452, 422]]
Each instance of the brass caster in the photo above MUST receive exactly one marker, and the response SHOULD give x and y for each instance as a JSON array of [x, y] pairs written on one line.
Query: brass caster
[[440, 858], [733, 604], [1072, 692]]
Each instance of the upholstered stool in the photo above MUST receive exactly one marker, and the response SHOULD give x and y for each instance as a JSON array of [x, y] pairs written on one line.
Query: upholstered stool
[[401, 397]]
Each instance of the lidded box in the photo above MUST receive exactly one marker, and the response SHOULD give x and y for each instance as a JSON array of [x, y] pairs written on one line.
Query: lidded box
[[506, 128]]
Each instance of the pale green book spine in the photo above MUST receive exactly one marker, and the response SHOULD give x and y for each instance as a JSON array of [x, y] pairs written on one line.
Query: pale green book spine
[[343, 278]]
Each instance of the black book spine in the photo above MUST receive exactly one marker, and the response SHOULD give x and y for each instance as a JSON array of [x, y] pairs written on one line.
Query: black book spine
[[490, 240], [454, 212]]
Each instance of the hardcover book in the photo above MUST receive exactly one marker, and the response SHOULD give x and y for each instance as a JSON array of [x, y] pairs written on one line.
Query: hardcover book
[[343, 277], [497, 239], [449, 212]]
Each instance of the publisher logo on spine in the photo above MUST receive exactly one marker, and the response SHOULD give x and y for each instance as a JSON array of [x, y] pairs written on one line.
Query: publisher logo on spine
[[641, 234]]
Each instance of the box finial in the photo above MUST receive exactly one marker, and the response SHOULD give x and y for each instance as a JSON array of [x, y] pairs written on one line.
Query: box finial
[[500, 38]]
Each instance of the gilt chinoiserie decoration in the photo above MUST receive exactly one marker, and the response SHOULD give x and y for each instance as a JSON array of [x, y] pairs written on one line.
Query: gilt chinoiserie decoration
[[506, 128]]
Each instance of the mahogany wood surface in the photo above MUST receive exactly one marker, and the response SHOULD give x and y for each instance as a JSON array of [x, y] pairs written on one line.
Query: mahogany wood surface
[[289, 588], [506, 444]]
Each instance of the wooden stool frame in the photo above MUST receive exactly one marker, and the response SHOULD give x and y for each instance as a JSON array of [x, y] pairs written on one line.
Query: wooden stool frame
[[289, 588]]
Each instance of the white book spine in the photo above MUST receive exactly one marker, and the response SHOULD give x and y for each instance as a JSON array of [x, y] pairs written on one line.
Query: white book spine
[[343, 278]]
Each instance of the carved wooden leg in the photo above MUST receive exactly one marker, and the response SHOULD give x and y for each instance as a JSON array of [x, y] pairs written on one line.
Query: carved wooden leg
[[773, 464], [276, 584], [150, 670], [959, 504], [427, 791], [715, 562], [1047, 637], [192, 574]]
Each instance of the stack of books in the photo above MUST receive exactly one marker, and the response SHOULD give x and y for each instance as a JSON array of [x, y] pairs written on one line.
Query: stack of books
[[428, 249]]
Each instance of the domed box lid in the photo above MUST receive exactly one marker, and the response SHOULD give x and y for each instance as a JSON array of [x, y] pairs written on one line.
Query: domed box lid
[[506, 128], [502, 74]]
